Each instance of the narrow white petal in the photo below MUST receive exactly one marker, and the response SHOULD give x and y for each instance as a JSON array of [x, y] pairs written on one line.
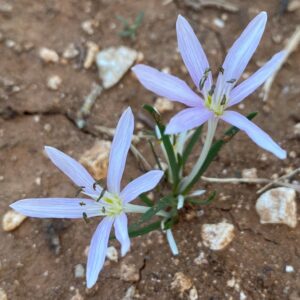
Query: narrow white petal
[[119, 150], [258, 136], [97, 251]]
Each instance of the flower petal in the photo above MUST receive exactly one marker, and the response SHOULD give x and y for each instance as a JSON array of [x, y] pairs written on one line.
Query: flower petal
[[248, 86], [258, 136], [119, 150], [240, 53], [74, 170], [57, 207], [166, 85], [141, 185], [192, 53], [187, 119], [97, 251], [121, 231]]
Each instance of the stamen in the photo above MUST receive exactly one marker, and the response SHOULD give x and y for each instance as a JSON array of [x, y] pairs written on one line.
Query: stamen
[[85, 218], [223, 102], [231, 80], [204, 78], [101, 194], [212, 90], [82, 204], [221, 70]]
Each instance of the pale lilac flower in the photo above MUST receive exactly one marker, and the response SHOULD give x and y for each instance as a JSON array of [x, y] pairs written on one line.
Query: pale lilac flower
[[214, 100], [113, 204]]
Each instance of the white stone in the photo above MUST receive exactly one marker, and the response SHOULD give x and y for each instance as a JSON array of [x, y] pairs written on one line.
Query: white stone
[[77, 296], [79, 271], [217, 236], [130, 293], [87, 26], [129, 273], [200, 260], [297, 129], [181, 282], [243, 296], [193, 294], [96, 159], [112, 254], [289, 269], [54, 82], [278, 206], [70, 52], [48, 55], [113, 63], [12, 220], [249, 173], [163, 105], [3, 295], [219, 23], [92, 50]]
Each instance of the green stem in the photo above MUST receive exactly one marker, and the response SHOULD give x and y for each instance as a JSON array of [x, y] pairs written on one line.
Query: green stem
[[212, 125], [132, 208]]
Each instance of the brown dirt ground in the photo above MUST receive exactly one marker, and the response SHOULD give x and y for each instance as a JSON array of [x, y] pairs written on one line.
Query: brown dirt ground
[[29, 266]]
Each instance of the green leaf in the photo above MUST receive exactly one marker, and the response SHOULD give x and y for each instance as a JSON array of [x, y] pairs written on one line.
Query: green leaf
[[190, 145], [146, 200], [166, 142], [133, 231], [214, 150], [203, 202], [139, 19], [161, 204]]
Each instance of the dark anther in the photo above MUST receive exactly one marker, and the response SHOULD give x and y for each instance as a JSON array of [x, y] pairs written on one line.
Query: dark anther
[[231, 80], [221, 69], [82, 204], [85, 218], [212, 90], [223, 100], [204, 78], [79, 190], [103, 209], [101, 194]]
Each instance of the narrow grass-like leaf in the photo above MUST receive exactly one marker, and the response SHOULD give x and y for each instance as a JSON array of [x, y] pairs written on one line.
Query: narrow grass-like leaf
[[190, 145], [202, 202], [134, 231], [146, 200]]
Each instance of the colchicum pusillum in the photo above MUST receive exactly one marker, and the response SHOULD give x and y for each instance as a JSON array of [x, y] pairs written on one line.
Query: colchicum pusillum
[[213, 100], [211, 103], [112, 204]]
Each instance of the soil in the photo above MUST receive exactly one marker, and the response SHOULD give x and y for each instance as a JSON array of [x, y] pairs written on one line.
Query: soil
[[32, 266]]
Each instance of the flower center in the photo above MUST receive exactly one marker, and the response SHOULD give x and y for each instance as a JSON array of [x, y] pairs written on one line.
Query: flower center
[[114, 205], [216, 108]]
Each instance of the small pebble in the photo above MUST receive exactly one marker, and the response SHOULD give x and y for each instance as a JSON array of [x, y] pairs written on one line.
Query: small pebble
[[129, 273], [70, 52], [47, 127], [289, 269], [249, 173], [12, 220], [79, 271], [181, 283], [48, 55], [278, 206], [77, 296], [112, 254], [3, 295], [217, 236], [113, 63], [87, 26], [92, 50], [130, 293], [193, 294], [96, 159], [219, 23], [297, 129], [163, 105], [54, 82]]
